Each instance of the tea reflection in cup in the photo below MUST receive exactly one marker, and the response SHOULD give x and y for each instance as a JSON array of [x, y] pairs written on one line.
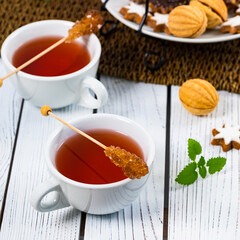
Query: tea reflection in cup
[[92, 198], [58, 91]]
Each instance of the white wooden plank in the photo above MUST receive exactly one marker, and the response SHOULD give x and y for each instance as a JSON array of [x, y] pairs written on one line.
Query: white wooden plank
[[208, 208], [238, 211], [10, 104], [146, 104], [20, 220]]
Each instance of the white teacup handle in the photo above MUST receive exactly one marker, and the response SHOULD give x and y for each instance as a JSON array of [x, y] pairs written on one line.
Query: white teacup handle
[[57, 202], [86, 99]]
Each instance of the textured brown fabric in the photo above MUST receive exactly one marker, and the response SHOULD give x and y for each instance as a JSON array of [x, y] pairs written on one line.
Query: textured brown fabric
[[123, 51]]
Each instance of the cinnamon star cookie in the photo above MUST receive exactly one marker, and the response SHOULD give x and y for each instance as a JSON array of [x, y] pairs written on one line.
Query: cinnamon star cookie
[[159, 22], [133, 12], [232, 25], [228, 137]]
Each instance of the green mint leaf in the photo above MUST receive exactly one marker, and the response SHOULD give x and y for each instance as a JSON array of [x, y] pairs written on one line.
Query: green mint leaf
[[216, 164], [194, 149], [201, 162], [203, 171], [188, 175]]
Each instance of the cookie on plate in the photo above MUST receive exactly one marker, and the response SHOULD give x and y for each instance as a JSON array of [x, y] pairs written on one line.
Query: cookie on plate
[[159, 22], [238, 10], [139, 1], [232, 25], [218, 6], [166, 6], [133, 12], [187, 21], [214, 19]]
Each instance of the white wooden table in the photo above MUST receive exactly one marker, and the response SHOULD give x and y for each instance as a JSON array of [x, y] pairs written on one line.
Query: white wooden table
[[208, 209]]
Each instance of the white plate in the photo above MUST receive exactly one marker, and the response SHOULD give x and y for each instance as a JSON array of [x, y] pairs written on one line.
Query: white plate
[[210, 36]]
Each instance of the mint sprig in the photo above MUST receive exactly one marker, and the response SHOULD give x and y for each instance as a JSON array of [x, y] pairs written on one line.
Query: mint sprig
[[189, 174], [202, 171], [194, 149], [216, 164], [201, 162]]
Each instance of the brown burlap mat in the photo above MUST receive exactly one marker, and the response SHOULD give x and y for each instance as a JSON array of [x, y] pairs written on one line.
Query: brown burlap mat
[[123, 51]]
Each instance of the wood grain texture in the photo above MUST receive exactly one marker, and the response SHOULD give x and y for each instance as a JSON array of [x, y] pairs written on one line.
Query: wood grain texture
[[10, 104], [238, 210], [146, 104], [20, 220], [208, 208]]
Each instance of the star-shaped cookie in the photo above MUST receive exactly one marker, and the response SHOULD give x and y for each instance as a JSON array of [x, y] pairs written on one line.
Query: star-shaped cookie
[[133, 12], [228, 137]]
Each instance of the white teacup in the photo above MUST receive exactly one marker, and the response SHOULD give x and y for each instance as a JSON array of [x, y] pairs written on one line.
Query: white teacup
[[62, 90], [92, 198]]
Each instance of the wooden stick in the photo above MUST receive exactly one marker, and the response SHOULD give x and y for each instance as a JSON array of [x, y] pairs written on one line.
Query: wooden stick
[[96, 21], [77, 130], [33, 59]]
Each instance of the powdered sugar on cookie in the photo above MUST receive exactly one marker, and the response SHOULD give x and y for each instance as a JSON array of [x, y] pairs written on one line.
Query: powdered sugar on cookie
[[159, 22], [133, 12], [232, 25], [136, 8], [234, 21], [228, 137], [229, 134], [160, 18], [238, 10]]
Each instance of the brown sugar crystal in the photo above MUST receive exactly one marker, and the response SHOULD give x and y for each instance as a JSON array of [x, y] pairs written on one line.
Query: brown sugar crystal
[[90, 23], [132, 165]]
